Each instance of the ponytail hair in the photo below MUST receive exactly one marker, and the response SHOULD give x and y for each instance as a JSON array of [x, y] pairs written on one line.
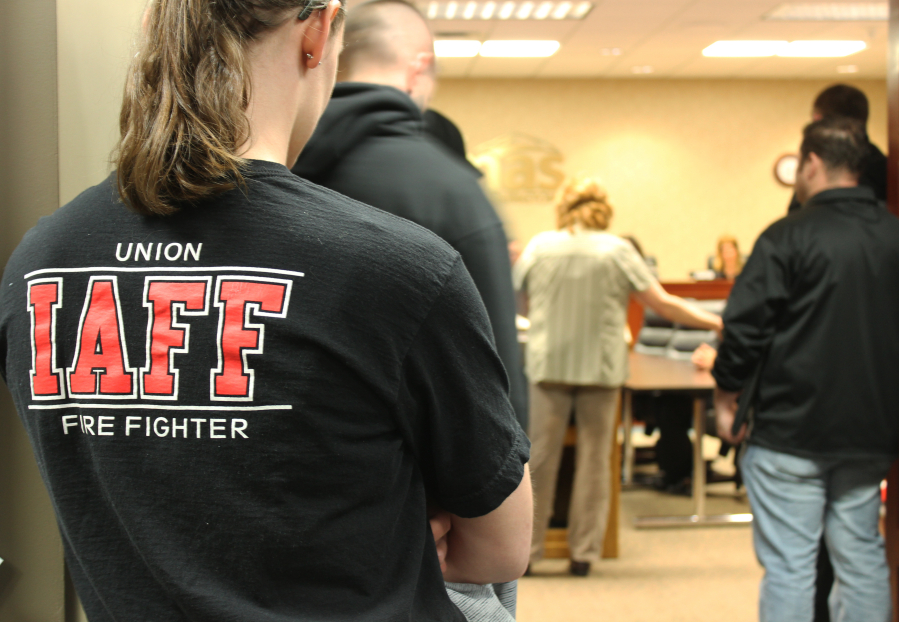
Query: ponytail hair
[[183, 115]]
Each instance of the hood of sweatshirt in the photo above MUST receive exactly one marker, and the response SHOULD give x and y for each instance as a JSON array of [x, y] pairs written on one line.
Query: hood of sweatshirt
[[357, 111]]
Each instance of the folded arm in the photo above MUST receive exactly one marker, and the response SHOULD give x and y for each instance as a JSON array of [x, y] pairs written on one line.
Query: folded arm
[[493, 548]]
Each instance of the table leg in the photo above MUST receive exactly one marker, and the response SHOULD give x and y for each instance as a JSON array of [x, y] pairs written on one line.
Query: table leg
[[698, 461], [699, 517], [628, 426]]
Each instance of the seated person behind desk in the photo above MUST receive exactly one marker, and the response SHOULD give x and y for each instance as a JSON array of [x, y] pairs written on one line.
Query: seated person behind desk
[[578, 281], [727, 262]]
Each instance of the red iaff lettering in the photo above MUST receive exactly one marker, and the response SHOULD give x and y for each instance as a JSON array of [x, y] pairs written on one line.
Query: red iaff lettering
[[43, 300], [166, 335], [237, 336], [101, 351]]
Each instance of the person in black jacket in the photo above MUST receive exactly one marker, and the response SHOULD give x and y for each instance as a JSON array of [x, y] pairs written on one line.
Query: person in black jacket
[[370, 145], [842, 100], [814, 313]]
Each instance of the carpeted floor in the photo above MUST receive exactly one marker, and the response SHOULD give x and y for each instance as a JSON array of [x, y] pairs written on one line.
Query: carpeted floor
[[663, 575]]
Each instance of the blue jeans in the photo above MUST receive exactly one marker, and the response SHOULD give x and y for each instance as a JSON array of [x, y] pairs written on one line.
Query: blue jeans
[[793, 501]]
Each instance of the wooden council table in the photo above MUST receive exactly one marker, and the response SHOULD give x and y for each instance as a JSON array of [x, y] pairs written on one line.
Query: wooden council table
[[657, 373]]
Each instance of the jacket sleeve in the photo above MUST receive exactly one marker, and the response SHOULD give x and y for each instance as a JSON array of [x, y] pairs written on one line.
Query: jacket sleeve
[[755, 304], [486, 256]]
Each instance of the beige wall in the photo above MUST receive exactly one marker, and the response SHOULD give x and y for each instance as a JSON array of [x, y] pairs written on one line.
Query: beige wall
[[31, 576], [684, 161], [94, 47]]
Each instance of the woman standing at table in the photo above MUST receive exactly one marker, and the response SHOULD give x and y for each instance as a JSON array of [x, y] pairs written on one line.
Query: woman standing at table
[[578, 282]]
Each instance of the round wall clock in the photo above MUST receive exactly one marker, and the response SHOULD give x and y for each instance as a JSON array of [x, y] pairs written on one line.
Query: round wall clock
[[785, 169]]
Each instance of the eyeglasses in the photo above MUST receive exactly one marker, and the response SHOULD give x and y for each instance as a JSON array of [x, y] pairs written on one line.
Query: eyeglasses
[[310, 7]]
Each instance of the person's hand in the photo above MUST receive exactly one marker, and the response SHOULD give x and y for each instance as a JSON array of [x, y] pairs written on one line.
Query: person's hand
[[704, 357], [719, 329], [725, 412], [441, 523]]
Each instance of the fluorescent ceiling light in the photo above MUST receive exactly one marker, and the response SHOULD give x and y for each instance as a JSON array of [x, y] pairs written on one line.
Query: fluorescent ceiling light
[[822, 49], [524, 10], [793, 49], [543, 10], [456, 48], [561, 10], [581, 10], [519, 49], [830, 12], [506, 9], [744, 49]]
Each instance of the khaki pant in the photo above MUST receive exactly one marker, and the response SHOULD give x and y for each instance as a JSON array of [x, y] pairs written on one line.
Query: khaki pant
[[588, 515]]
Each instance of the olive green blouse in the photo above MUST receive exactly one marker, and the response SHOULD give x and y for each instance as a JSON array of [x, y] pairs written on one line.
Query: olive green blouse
[[578, 286]]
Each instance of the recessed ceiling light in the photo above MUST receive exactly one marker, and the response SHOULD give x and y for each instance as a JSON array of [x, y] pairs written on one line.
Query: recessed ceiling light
[[456, 48], [508, 9], [794, 49], [830, 12], [847, 69], [822, 49], [519, 49], [743, 49]]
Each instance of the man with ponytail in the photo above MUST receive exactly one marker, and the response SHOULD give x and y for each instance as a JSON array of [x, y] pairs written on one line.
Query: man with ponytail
[[244, 390]]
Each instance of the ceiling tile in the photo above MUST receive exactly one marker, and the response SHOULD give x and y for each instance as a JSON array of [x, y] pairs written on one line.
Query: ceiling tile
[[669, 35]]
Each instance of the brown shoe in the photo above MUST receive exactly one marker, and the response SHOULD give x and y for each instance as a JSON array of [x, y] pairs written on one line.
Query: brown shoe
[[579, 569]]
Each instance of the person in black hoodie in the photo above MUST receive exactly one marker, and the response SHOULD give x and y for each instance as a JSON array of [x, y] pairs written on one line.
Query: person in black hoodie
[[370, 145]]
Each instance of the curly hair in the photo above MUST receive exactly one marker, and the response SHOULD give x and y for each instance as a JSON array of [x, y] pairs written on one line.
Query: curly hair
[[582, 201]]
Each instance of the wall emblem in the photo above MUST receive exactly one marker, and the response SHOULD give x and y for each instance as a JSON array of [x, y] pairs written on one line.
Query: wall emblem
[[520, 168]]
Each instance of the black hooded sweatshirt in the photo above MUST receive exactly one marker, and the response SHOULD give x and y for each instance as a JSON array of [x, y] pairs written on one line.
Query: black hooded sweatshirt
[[369, 145]]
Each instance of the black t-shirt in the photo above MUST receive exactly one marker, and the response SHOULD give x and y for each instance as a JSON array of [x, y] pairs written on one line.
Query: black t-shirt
[[239, 410]]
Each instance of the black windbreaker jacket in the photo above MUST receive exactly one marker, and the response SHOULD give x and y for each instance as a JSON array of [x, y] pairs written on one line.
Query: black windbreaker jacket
[[369, 145], [818, 299]]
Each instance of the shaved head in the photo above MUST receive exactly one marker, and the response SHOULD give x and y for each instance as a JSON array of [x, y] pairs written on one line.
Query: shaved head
[[388, 42]]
